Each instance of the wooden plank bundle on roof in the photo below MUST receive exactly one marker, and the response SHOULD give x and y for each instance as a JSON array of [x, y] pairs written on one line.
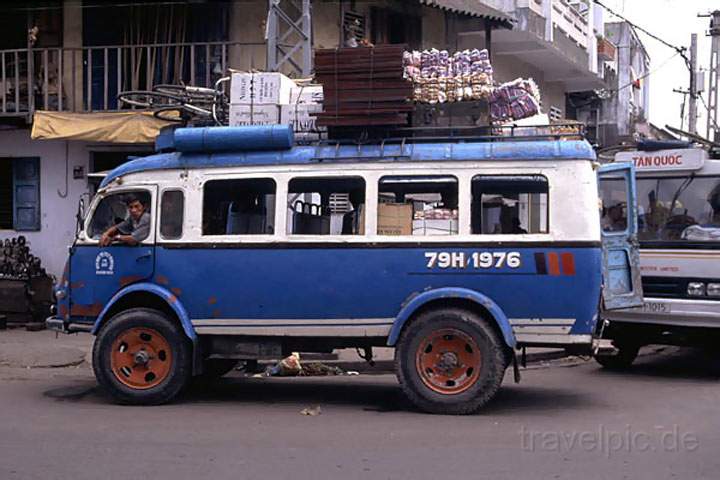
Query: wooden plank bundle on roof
[[363, 86]]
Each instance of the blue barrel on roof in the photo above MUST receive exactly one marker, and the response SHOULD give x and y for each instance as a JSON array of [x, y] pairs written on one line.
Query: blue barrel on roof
[[234, 139]]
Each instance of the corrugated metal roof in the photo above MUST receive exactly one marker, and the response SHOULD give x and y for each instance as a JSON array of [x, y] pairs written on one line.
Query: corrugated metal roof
[[475, 8]]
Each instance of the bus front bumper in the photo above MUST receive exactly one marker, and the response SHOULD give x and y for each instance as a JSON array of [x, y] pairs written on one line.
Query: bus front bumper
[[62, 326], [671, 312]]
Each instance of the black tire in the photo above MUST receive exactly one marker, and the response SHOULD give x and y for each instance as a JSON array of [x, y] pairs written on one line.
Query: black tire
[[491, 349], [180, 357], [149, 99], [622, 360]]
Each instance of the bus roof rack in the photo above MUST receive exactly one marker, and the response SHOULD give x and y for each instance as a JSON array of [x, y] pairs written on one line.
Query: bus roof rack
[[420, 134]]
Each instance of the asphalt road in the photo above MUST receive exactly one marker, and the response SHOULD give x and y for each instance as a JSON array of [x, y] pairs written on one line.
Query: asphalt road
[[658, 421]]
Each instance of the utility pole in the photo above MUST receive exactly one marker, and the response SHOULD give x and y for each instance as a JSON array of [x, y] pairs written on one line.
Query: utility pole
[[692, 103], [714, 33]]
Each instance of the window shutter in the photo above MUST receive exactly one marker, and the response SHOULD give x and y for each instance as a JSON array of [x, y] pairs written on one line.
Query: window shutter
[[26, 193]]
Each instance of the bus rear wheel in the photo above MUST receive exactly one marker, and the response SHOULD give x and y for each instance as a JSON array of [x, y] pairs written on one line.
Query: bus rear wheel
[[450, 361], [140, 357]]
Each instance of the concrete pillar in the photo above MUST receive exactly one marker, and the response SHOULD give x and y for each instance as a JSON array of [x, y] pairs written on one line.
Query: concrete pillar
[[591, 38], [72, 38], [247, 25]]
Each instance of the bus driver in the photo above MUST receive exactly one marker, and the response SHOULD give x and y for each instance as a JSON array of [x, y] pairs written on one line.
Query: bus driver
[[133, 229]]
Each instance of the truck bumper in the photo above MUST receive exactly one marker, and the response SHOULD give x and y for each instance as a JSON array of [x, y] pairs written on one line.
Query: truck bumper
[[60, 325]]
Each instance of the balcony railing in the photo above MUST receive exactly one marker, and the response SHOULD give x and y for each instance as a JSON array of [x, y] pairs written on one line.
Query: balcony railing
[[88, 79]]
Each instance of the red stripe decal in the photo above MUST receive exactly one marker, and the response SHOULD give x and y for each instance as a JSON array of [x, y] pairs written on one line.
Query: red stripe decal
[[568, 263], [553, 263]]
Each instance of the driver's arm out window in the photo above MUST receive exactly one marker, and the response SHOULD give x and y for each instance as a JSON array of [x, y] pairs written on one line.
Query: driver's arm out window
[[113, 211]]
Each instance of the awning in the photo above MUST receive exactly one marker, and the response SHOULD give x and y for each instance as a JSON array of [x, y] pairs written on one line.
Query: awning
[[107, 127], [475, 8]]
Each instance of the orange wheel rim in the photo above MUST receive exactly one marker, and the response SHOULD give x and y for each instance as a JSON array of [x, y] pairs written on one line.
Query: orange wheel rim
[[448, 361], [141, 358]]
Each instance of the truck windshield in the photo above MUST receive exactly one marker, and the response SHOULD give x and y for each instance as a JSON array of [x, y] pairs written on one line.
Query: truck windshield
[[679, 209]]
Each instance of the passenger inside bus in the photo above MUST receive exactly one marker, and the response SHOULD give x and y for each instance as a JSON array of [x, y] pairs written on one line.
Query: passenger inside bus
[[709, 231]]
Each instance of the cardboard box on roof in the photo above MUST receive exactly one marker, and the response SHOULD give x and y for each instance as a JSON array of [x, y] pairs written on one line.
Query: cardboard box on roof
[[254, 115], [300, 117], [394, 219], [261, 88], [306, 94]]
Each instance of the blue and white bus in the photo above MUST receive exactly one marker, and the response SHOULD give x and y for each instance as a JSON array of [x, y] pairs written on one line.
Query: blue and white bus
[[456, 253]]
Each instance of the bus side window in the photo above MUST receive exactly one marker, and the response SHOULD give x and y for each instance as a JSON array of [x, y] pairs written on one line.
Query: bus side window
[[239, 207], [172, 207], [418, 205], [509, 204], [326, 206]]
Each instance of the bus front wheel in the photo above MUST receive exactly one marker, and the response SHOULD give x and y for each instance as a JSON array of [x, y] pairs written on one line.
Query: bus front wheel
[[450, 361], [622, 359], [141, 357]]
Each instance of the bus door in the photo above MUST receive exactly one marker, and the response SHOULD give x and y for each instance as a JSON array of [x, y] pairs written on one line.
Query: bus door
[[98, 272], [622, 285]]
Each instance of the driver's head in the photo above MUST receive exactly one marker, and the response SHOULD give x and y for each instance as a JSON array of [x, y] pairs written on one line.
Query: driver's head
[[135, 206]]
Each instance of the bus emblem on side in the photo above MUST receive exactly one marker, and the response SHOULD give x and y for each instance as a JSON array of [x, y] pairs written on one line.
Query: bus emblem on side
[[104, 264]]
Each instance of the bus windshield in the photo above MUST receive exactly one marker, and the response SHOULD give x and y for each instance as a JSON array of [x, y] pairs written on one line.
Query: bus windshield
[[679, 209]]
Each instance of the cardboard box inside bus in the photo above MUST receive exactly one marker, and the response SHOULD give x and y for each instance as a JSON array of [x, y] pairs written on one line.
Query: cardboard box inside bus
[[395, 219]]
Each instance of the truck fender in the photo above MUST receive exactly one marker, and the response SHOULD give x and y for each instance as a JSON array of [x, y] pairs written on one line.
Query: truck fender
[[414, 303], [167, 296]]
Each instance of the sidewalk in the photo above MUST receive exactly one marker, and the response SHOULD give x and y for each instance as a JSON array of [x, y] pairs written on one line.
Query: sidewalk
[[20, 348]]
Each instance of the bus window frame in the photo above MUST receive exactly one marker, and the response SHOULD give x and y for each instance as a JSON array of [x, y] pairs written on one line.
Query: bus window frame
[[235, 237], [150, 189], [371, 175], [183, 225]]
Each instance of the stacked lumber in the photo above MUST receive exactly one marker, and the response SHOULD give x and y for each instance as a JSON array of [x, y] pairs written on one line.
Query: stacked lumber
[[363, 86]]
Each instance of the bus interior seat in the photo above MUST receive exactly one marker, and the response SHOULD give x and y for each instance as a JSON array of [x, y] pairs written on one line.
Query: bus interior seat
[[242, 223]]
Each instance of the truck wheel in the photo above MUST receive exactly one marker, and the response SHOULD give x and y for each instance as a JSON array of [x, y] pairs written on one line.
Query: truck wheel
[[141, 357], [450, 361], [623, 359]]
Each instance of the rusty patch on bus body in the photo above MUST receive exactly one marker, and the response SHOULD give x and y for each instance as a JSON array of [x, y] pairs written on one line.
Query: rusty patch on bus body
[[63, 310], [176, 291], [212, 300], [216, 313], [162, 280], [86, 310], [77, 285], [172, 299], [127, 280]]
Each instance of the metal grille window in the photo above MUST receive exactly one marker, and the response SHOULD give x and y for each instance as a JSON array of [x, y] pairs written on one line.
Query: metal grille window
[[172, 208]]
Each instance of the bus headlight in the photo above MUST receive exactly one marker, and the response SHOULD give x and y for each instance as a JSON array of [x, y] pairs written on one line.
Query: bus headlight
[[713, 289], [60, 293], [696, 289]]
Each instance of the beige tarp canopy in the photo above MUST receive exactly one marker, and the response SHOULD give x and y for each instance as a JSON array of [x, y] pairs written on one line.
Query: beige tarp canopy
[[109, 127]]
